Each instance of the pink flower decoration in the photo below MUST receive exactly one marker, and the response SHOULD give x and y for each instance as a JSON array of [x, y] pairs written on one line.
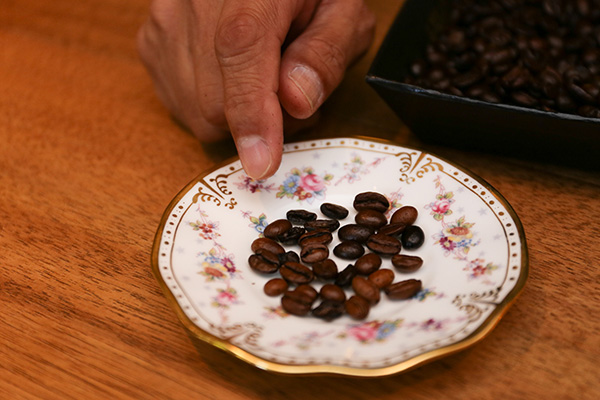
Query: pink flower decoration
[[364, 332], [441, 206], [312, 183]]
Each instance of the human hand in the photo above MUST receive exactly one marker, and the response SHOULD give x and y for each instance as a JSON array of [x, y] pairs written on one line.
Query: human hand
[[223, 66]]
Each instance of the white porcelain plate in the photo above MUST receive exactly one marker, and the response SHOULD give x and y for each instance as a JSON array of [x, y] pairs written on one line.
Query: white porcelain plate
[[475, 259]]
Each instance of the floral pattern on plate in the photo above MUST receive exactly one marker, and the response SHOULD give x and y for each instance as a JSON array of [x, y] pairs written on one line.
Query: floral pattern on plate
[[475, 259]]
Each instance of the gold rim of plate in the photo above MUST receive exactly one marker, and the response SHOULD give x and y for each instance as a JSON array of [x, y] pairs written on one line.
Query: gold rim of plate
[[476, 336]]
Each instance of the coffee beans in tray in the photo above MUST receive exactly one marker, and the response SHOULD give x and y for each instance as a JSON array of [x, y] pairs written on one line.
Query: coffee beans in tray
[[540, 54], [309, 280]]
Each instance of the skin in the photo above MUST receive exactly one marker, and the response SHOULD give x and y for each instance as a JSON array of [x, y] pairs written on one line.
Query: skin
[[251, 68]]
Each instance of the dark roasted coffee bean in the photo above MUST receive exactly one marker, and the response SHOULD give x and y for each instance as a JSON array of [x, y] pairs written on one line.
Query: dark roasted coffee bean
[[406, 215], [292, 235], [589, 112], [516, 78], [275, 287], [580, 94], [412, 238], [267, 244], [296, 303], [334, 211], [357, 307], [300, 217], [332, 292], [277, 228], [368, 264], [371, 201], [326, 269], [467, 79], [382, 277], [384, 244], [307, 290], [393, 229], [406, 263], [349, 250], [344, 278], [322, 224], [316, 236], [314, 252], [355, 232], [550, 81], [366, 289], [404, 289], [329, 310], [371, 218], [264, 262], [296, 273], [288, 256], [523, 99]]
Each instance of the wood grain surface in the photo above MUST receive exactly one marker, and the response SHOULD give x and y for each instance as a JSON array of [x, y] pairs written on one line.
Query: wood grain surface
[[89, 160]]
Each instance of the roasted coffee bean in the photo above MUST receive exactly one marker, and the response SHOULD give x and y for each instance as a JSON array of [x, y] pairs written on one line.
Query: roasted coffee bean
[[344, 278], [300, 217], [334, 211], [393, 229], [404, 289], [329, 310], [307, 290], [275, 287], [296, 303], [296, 273], [349, 250], [371, 201], [264, 262], [366, 289], [406, 215], [358, 233], [314, 252], [288, 256], [371, 218], [412, 238], [292, 235], [332, 292], [267, 244], [315, 236], [382, 277], [357, 307], [277, 228], [326, 269], [368, 264], [330, 225], [384, 244], [406, 263]]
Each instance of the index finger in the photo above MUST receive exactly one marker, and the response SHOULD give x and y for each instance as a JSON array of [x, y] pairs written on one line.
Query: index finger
[[248, 46]]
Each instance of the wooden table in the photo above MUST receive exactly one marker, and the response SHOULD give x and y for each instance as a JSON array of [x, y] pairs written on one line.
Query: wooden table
[[89, 160]]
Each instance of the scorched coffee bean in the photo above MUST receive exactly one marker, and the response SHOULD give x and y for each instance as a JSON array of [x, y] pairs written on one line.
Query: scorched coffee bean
[[292, 235], [322, 224], [329, 310], [349, 250], [326, 269], [355, 232], [277, 228], [344, 278], [384, 244], [300, 217], [393, 229], [334, 211], [412, 238]]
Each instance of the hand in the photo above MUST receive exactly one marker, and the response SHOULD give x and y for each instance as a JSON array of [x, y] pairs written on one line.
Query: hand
[[224, 66]]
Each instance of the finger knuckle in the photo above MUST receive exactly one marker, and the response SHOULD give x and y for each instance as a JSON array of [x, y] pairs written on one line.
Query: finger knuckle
[[330, 55], [236, 35]]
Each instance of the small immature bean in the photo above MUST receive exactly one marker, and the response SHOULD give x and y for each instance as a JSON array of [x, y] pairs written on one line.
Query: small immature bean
[[334, 211], [366, 289], [368, 264], [357, 307], [404, 289], [275, 287], [406, 263], [382, 278]]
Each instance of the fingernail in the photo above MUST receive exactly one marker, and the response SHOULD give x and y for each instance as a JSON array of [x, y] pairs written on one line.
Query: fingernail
[[308, 82], [255, 155]]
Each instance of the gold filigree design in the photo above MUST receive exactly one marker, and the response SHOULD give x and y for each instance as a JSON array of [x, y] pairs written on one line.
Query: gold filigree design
[[475, 305], [204, 197], [221, 182], [408, 167], [219, 193]]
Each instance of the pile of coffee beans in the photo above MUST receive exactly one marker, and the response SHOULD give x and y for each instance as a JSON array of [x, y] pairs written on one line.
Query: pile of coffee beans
[[541, 54], [366, 242]]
